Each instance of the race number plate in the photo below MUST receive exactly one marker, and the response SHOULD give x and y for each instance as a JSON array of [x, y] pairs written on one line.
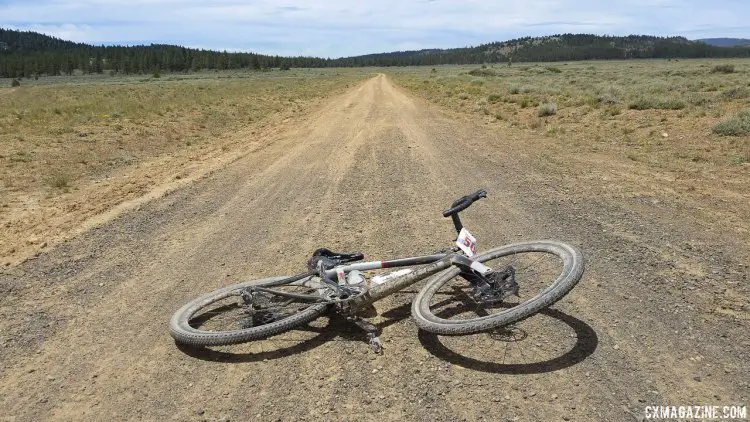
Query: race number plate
[[467, 242]]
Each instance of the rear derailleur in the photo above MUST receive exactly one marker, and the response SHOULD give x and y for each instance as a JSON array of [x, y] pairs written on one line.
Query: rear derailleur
[[258, 308]]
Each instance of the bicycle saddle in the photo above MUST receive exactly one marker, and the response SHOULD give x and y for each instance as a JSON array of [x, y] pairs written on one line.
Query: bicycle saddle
[[331, 259]]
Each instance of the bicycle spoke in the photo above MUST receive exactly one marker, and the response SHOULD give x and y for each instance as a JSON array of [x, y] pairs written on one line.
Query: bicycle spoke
[[232, 313], [534, 272]]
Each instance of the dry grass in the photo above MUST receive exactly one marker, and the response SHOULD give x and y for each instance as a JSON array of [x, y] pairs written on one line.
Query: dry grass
[[54, 132], [618, 106], [668, 129]]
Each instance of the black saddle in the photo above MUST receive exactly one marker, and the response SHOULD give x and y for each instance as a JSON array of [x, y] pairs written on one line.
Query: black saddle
[[331, 259]]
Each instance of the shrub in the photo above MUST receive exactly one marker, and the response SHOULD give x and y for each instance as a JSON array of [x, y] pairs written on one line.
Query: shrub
[[650, 103], [606, 99], [739, 125], [723, 68], [15, 83], [482, 72], [698, 100], [740, 159], [642, 104], [59, 180], [553, 69], [608, 95], [494, 98], [548, 109], [671, 104], [156, 73], [514, 90], [736, 93], [612, 111]]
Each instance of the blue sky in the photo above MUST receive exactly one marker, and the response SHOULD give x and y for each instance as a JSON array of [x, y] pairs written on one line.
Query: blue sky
[[334, 28]]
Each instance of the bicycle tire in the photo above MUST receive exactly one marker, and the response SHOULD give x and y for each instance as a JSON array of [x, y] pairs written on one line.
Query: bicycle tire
[[181, 330], [571, 273]]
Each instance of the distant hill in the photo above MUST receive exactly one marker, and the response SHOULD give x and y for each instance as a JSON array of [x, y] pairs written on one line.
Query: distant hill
[[24, 54], [726, 42], [563, 47], [18, 41]]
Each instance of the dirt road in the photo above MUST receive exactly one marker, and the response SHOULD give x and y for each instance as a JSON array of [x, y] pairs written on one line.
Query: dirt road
[[660, 317]]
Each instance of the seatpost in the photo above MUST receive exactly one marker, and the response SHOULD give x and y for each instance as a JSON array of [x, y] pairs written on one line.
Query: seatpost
[[457, 222]]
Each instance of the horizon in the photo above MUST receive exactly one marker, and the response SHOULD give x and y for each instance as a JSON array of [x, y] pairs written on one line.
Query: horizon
[[339, 29]]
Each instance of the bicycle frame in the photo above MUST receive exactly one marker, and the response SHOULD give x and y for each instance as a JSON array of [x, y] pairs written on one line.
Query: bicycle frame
[[435, 264]]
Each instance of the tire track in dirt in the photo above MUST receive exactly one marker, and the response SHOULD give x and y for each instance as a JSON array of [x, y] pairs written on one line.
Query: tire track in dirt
[[371, 170]]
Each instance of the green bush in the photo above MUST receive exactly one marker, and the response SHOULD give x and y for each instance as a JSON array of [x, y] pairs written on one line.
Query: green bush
[[15, 83], [739, 125], [553, 69], [548, 109], [723, 68]]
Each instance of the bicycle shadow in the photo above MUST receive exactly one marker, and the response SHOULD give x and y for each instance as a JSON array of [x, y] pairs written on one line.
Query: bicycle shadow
[[586, 343], [338, 328], [323, 334]]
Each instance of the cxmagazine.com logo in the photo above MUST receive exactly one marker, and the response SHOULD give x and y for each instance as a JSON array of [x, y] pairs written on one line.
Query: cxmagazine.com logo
[[703, 412]]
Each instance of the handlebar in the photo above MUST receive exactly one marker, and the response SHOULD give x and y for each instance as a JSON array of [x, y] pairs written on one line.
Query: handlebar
[[462, 203]]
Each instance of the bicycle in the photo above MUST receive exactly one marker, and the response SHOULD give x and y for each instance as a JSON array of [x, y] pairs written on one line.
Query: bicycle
[[492, 296]]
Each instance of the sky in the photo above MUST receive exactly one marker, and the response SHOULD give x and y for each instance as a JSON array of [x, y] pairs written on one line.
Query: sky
[[339, 28]]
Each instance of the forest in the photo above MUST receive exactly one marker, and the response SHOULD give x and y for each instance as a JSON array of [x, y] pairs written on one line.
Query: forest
[[27, 54]]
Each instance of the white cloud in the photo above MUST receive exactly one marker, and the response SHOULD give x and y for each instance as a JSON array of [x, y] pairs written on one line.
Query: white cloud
[[337, 27]]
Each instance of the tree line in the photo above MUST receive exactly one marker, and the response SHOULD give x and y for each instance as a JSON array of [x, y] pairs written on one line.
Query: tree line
[[27, 54]]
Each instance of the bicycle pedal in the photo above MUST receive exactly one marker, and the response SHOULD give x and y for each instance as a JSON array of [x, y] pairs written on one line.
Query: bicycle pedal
[[375, 343]]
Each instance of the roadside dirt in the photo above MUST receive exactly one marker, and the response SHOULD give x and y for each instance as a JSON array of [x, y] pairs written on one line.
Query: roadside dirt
[[39, 220], [660, 317]]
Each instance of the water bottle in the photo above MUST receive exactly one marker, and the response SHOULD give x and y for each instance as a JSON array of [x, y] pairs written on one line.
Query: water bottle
[[354, 277]]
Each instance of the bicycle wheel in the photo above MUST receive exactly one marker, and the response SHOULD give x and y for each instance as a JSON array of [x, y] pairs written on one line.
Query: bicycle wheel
[[545, 271], [222, 318]]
